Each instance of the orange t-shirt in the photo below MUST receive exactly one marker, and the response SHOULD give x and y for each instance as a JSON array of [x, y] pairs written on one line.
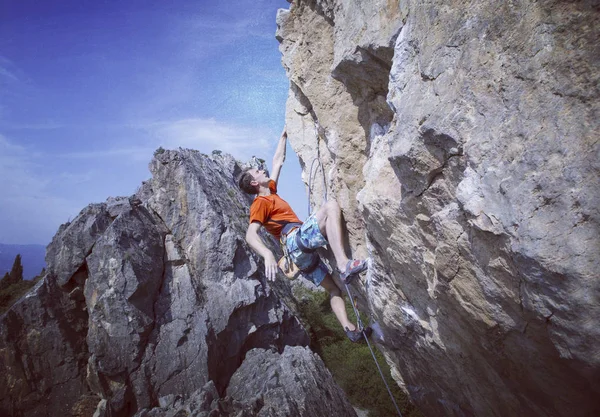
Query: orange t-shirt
[[268, 209]]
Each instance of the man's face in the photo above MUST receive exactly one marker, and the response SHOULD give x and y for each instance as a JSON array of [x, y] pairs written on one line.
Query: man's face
[[259, 175]]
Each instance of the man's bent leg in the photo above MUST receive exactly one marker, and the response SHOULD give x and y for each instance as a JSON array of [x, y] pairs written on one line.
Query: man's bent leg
[[337, 302], [329, 218]]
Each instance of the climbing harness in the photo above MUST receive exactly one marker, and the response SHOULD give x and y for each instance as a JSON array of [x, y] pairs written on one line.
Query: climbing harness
[[287, 266], [358, 320]]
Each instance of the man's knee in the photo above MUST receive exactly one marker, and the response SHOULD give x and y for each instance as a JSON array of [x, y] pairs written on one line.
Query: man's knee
[[325, 211], [331, 209], [334, 292], [332, 206], [331, 287]]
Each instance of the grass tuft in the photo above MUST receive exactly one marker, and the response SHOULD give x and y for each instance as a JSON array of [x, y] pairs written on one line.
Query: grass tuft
[[350, 363]]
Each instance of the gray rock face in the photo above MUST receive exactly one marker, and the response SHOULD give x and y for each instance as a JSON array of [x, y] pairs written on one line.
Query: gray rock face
[[151, 305], [461, 140], [268, 383], [288, 384], [42, 357]]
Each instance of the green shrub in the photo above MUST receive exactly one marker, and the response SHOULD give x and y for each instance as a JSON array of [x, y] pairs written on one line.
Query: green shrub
[[11, 294], [13, 287], [351, 364]]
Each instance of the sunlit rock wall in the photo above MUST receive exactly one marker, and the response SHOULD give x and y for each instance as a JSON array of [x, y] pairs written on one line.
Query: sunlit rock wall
[[461, 139]]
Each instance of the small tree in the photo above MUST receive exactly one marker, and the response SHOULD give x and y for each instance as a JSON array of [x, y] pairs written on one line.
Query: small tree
[[12, 286], [5, 281], [15, 276], [16, 273]]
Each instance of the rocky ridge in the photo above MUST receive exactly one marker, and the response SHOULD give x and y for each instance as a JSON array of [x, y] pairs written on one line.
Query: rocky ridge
[[153, 305], [461, 140]]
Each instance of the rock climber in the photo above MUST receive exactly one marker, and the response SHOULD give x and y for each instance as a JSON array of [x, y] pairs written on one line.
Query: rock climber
[[300, 239]]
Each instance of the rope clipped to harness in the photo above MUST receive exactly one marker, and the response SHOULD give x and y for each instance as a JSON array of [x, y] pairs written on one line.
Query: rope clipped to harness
[[286, 264]]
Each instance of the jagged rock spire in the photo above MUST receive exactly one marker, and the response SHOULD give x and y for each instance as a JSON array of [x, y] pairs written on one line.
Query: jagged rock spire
[[151, 305]]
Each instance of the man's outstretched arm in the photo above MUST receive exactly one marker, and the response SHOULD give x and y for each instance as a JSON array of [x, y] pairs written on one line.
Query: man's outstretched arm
[[279, 157], [259, 247]]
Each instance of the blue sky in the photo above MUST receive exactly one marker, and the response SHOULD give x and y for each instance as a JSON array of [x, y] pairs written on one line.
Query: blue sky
[[89, 89]]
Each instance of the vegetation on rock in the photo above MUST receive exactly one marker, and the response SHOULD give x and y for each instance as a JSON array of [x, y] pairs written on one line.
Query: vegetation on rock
[[351, 364], [12, 285]]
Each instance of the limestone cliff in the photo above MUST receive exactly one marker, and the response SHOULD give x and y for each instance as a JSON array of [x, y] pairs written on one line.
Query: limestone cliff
[[154, 305], [461, 139]]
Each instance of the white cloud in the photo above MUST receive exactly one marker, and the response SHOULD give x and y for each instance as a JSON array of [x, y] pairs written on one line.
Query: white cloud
[[137, 153], [48, 125], [209, 32], [29, 213], [13, 83], [15, 169], [209, 134], [5, 73], [7, 70]]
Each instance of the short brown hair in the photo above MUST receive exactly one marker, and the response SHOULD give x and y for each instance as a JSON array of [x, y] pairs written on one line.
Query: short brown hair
[[244, 182]]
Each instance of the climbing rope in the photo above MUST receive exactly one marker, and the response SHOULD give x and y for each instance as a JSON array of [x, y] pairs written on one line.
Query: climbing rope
[[311, 175], [358, 320], [310, 179], [360, 326]]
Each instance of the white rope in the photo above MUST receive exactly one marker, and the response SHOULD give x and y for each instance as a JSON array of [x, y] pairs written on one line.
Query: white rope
[[310, 179], [358, 321], [360, 326], [319, 164]]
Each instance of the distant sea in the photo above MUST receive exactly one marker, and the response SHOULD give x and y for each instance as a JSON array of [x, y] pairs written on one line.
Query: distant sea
[[32, 259]]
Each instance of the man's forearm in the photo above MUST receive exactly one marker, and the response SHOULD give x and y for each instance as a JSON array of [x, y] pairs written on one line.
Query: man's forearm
[[257, 244], [279, 156]]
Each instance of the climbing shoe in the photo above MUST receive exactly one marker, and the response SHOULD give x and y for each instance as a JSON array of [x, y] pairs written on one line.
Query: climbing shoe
[[357, 335], [353, 268]]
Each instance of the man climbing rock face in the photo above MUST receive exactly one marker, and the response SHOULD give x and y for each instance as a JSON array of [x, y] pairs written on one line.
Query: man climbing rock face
[[300, 239]]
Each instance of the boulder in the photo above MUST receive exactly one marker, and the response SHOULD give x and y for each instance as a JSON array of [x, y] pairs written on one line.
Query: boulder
[[292, 383]]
